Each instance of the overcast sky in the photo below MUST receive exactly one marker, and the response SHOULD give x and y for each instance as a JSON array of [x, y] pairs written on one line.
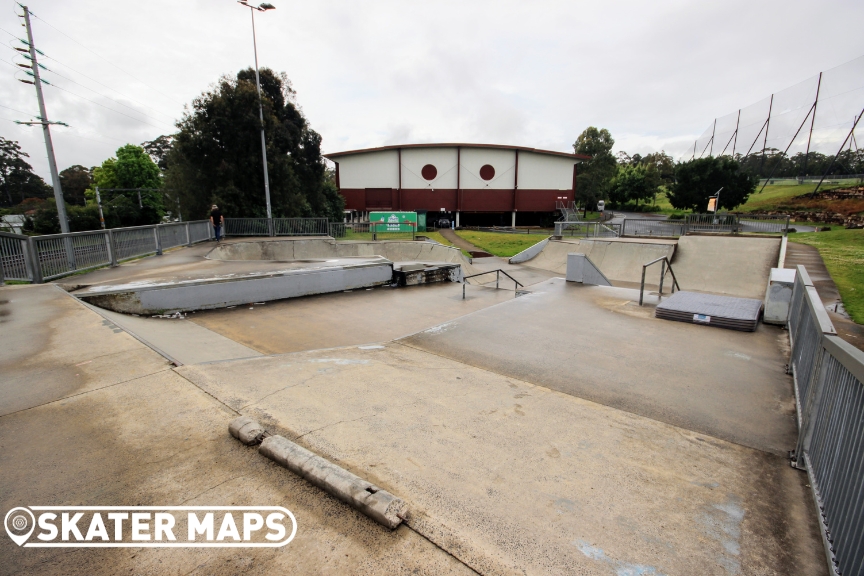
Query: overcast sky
[[374, 72]]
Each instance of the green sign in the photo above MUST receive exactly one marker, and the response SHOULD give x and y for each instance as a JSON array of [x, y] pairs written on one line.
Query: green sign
[[393, 221]]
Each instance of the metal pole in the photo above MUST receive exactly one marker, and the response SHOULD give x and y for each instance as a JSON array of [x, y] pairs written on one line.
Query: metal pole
[[767, 126], [812, 122], [140, 204], [662, 275], [713, 131], [261, 118], [49, 146], [737, 123], [838, 153], [99, 204]]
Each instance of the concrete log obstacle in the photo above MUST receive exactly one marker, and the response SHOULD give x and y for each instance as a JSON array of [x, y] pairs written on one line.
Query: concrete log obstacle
[[378, 504]]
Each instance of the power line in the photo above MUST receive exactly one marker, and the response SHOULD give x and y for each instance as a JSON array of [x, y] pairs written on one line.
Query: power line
[[105, 59], [108, 87], [109, 98], [103, 106]]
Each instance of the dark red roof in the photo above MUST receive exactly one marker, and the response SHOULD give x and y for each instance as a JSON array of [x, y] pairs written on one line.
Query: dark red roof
[[462, 145]]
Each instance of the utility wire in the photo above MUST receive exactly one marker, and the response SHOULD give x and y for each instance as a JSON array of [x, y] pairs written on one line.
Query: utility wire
[[103, 106], [103, 58], [109, 98], [106, 86]]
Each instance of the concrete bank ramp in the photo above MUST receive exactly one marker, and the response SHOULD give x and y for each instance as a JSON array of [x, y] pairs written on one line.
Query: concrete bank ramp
[[732, 265], [289, 250], [619, 259]]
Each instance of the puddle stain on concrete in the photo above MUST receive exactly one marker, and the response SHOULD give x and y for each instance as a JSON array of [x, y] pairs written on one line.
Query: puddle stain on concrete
[[723, 523], [621, 568]]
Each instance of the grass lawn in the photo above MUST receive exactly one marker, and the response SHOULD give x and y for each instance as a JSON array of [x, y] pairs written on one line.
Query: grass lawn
[[843, 253], [504, 245]]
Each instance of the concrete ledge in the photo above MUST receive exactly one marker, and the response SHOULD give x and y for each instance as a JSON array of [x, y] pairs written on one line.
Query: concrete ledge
[[372, 501], [164, 296]]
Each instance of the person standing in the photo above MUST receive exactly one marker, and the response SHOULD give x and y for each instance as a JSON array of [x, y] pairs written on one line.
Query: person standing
[[217, 220]]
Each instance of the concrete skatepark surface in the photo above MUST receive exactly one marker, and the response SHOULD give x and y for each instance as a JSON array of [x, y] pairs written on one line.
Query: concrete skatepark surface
[[564, 431], [726, 265], [620, 260]]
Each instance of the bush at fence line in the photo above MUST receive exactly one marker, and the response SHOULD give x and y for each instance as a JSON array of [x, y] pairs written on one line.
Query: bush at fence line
[[677, 216]]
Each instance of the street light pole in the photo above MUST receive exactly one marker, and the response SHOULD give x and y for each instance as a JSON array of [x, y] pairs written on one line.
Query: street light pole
[[262, 8]]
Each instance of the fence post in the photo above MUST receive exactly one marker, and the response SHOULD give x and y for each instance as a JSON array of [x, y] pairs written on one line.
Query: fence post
[[34, 259], [158, 240], [112, 248], [188, 237], [786, 230]]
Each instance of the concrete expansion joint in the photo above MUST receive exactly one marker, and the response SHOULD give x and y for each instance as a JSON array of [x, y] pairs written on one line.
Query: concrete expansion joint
[[376, 503]]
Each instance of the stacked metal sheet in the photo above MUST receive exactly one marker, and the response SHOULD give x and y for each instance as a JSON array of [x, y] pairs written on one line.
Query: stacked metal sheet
[[722, 311]]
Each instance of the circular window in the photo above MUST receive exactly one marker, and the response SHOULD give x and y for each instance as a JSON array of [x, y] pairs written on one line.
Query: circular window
[[429, 172], [487, 172]]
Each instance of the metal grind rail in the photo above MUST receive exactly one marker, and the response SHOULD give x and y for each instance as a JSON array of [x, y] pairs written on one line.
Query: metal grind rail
[[664, 265], [828, 378], [39, 258], [497, 273]]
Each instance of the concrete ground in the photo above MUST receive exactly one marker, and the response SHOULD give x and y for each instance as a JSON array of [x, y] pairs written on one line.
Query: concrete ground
[[91, 416], [564, 431]]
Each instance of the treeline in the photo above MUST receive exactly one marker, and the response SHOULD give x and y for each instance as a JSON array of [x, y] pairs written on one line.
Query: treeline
[[213, 158]]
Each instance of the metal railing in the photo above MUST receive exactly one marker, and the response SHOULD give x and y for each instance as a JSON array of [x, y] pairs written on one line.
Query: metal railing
[[40, 258], [276, 227], [14, 257], [719, 223], [586, 229], [664, 266], [648, 227], [828, 378], [497, 273]]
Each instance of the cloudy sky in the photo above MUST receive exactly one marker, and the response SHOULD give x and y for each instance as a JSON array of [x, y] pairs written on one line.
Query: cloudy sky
[[382, 72]]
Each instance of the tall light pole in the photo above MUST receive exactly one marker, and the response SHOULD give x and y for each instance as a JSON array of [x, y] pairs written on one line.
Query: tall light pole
[[261, 8]]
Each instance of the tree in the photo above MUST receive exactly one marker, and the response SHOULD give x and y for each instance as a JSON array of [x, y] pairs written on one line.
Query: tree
[[633, 183], [75, 181], [158, 150], [595, 176], [132, 168], [216, 155], [17, 180], [698, 179]]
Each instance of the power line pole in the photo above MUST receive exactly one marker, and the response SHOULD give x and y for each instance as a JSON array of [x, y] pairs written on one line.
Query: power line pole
[[43, 117]]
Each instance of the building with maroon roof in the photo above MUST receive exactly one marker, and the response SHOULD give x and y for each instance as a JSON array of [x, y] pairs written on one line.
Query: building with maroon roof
[[475, 184]]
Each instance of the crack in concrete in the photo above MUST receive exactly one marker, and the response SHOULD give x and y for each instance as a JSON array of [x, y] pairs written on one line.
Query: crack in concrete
[[85, 392], [213, 487]]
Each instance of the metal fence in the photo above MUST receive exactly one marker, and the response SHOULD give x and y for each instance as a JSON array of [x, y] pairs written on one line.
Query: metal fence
[[648, 227], [718, 223], [585, 229], [14, 257], [828, 377], [276, 227], [39, 258]]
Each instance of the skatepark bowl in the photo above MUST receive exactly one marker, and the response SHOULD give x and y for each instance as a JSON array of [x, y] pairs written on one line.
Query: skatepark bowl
[[562, 429]]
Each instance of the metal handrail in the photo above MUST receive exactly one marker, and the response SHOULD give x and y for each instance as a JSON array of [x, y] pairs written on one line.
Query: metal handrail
[[498, 273], [666, 264]]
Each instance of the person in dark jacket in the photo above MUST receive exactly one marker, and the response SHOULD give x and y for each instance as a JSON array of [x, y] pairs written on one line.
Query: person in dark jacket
[[217, 220]]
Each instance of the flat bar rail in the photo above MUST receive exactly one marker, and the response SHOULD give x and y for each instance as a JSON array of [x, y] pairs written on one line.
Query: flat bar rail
[[665, 265], [497, 273], [40, 258], [828, 378]]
